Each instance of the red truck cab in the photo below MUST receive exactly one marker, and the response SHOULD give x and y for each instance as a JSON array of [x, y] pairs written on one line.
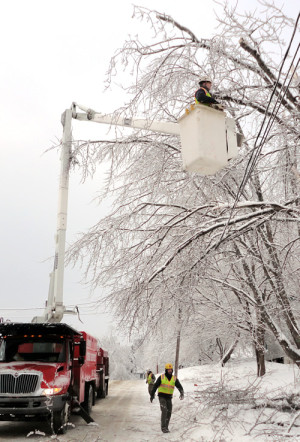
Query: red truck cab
[[48, 369]]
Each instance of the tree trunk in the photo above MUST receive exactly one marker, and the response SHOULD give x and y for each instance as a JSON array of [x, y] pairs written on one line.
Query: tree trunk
[[260, 345], [177, 353], [260, 361], [227, 355], [221, 348]]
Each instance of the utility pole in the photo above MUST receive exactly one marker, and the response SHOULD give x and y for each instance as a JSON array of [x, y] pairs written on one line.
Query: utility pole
[[178, 342]]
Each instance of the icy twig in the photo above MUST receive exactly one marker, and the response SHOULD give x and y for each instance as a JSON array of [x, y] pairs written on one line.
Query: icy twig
[[293, 421]]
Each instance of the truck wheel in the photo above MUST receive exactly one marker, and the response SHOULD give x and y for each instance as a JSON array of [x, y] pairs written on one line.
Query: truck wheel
[[101, 393], [88, 399], [61, 419]]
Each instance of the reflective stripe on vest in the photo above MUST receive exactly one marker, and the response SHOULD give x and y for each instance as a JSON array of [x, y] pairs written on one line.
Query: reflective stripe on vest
[[206, 93], [167, 386], [150, 379]]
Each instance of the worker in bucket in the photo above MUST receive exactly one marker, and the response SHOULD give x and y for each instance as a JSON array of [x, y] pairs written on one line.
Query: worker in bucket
[[203, 95], [165, 384], [150, 381]]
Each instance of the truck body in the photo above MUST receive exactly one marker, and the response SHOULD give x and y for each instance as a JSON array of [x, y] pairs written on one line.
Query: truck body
[[47, 370]]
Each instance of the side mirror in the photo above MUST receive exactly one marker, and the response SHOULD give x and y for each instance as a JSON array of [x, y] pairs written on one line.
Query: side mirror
[[82, 349], [81, 360]]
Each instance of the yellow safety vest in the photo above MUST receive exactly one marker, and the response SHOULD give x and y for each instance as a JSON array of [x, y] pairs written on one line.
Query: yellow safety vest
[[150, 379], [167, 386], [206, 93]]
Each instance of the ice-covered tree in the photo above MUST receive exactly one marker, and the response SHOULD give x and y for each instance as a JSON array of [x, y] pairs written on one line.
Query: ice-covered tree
[[169, 230]]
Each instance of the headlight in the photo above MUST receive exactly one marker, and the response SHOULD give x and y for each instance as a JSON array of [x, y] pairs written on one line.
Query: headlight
[[51, 391]]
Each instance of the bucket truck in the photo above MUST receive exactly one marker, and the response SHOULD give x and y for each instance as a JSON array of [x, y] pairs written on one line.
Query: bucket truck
[[47, 368]]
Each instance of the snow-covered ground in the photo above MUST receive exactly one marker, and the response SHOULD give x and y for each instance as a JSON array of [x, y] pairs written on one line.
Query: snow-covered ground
[[232, 404], [221, 404]]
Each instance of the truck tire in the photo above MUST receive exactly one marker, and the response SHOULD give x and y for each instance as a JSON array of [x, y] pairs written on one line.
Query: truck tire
[[61, 419], [102, 392], [88, 398]]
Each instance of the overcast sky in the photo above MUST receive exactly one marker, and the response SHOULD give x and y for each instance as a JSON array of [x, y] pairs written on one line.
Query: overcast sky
[[54, 53]]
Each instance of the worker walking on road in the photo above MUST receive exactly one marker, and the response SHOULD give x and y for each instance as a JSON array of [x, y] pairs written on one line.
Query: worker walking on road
[[203, 95], [165, 384], [150, 381]]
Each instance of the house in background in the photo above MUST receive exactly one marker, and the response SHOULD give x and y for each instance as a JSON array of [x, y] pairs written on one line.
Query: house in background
[[273, 351]]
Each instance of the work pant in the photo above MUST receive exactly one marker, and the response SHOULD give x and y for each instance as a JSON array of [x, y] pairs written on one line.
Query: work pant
[[166, 411], [150, 388]]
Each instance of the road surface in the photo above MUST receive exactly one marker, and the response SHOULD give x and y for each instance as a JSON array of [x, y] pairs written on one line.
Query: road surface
[[125, 415]]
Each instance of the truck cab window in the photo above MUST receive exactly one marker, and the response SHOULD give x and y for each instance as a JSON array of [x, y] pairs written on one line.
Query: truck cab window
[[31, 350], [2, 350]]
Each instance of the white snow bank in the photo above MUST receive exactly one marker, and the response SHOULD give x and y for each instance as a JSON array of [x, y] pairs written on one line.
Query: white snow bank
[[231, 404], [242, 374]]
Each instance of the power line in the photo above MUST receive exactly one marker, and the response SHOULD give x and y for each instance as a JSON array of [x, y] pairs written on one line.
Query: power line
[[257, 149], [21, 309], [90, 304]]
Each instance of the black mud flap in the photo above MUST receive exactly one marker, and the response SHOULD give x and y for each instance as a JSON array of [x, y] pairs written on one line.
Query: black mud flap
[[84, 414]]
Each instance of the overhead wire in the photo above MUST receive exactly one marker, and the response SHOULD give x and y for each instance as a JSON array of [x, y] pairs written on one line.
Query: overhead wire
[[86, 308], [269, 124], [42, 308], [21, 308], [257, 149]]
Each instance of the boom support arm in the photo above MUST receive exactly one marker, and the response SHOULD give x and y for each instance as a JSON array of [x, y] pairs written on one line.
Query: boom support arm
[[55, 308], [164, 127]]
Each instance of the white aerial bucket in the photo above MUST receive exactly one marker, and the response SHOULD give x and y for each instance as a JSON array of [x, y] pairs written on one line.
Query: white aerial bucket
[[232, 139], [208, 139], [208, 136]]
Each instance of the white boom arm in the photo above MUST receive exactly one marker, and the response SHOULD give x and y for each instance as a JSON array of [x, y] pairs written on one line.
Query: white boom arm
[[165, 127], [55, 309], [190, 137]]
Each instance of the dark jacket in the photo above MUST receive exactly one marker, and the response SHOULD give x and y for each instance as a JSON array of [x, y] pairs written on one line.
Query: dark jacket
[[202, 98], [158, 382]]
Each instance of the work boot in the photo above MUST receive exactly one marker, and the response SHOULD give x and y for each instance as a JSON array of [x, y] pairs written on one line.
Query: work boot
[[165, 430]]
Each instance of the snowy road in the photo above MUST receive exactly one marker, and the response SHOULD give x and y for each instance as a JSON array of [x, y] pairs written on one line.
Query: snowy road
[[208, 412], [125, 415]]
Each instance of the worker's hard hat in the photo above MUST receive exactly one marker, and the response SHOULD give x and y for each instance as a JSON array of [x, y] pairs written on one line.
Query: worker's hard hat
[[204, 79], [168, 367]]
